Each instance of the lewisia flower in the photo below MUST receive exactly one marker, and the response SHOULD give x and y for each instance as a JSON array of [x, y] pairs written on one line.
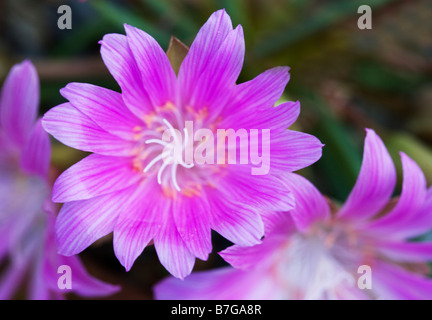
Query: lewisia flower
[[317, 252], [124, 187], [27, 215]]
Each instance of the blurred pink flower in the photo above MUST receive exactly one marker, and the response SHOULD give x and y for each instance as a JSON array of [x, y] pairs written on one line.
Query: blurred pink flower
[[27, 215], [313, 253], [125, 188]]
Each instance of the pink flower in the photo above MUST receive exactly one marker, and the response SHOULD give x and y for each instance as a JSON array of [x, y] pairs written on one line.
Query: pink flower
[[315, 252], [124, 187], [27, 216]]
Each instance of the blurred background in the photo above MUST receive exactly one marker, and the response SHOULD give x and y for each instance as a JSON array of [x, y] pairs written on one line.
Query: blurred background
[[345, 78]]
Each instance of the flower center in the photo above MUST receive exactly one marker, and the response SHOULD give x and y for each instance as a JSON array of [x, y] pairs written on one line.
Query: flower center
[[323, 261], [312, 270], [170, 153]]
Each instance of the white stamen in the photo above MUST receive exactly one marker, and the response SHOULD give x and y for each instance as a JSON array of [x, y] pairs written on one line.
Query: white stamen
[[158, 141], [156, 159], [159, 175], [171, 128], [172, 159]]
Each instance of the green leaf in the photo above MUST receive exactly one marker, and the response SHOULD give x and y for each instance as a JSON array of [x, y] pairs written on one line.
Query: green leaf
[[118, 16], [341, 160], [176, 13], [375, 76], [80, 38]]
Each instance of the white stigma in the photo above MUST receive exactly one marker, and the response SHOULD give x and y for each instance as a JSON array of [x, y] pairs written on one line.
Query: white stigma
[[169, 156], [314, 269]]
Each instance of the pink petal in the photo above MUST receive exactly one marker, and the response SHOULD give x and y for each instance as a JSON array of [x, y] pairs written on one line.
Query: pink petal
[[264, 192], [218, 78], [105, 107], [257, 95], [74, 129], [83, 283], [410, 202], [3, 146], [393, 282], [120, 61], [139, 222], [420, 223], [80, 223], [36, 155], [210, 285], [310, 205], [351, 293], [375, 183], [279, 117], [220, 284], [94, 176], [19, 102], [193, 221], [172, 250], [278, 224], [202, 51], [249, 258], [407, 251], [157, 75], [39, 287], [236, 221], [15, 273], [293, 150]]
